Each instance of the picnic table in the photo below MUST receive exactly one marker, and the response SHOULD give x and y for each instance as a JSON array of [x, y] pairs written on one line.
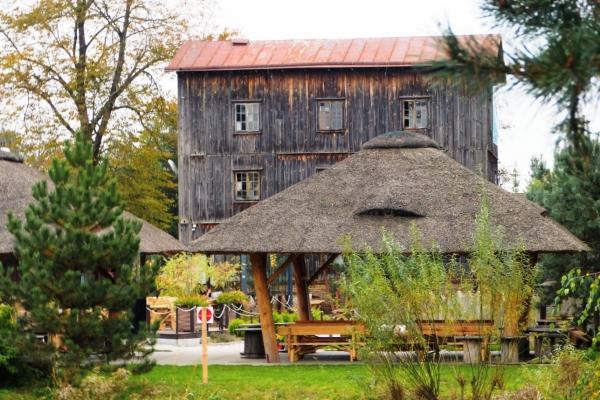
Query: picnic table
[[305, 337], [548, 331], [162, 309], [472, 335]]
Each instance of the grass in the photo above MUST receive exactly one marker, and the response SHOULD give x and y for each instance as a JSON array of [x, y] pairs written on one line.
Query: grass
[[246, 382]]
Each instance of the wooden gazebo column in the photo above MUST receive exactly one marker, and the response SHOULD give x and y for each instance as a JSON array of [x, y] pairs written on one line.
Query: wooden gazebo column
[[301, 282], [259, 271]]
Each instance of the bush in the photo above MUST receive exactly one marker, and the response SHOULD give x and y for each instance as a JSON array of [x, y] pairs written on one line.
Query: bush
[[9, 355], [95, 386], [277, 318], [290, 317], [235, 324], [14, 371], [236, 297], [192, 301], [318, 315], [576, 376]]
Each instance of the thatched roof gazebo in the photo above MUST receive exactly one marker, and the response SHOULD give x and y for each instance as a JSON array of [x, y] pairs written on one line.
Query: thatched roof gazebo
[[16, 180], [397, 178]]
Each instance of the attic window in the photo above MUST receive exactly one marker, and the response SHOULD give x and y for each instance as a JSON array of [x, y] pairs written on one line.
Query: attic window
[[390, 212]]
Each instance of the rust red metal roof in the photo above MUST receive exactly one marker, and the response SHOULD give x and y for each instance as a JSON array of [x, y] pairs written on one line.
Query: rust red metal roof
[[241, 54]]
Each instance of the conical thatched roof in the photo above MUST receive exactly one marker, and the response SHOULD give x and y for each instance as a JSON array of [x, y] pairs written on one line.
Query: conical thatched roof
[[397, 178], [16, 180]]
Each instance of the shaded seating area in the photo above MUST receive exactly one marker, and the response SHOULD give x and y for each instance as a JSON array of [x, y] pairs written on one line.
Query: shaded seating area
[[398, 180]]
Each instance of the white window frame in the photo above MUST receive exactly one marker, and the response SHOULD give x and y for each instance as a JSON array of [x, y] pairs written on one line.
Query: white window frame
[[246, 117], [417, 116], [247, 185], [336, 119]]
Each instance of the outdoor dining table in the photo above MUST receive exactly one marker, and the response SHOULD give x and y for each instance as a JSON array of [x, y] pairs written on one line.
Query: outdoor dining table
[[544, 333]]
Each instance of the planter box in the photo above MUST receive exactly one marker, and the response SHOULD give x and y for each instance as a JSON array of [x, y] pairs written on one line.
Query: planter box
[[186, 320]]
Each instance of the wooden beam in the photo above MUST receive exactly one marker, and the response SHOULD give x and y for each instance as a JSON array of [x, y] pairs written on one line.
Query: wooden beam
[[302, 289], [322, 268], [259, 271], [281, 268]]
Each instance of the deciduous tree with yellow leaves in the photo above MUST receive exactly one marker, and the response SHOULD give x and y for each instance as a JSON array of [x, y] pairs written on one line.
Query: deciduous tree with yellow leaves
[[97, 66]]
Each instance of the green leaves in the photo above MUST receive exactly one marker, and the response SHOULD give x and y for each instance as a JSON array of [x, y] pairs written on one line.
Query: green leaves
[[570, 193], [560, 67]]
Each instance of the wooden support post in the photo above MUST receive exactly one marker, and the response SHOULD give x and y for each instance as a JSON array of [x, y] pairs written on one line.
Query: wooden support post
[[259, 271], [300, 280], [204, 347]]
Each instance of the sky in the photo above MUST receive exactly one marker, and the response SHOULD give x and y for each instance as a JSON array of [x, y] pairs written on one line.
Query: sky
[[526, 124]]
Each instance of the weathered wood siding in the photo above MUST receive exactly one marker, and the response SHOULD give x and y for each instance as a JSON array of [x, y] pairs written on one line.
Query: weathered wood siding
[[289, 147]]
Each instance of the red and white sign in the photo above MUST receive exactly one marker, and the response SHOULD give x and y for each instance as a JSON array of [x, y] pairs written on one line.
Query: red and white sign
[[209, 315]]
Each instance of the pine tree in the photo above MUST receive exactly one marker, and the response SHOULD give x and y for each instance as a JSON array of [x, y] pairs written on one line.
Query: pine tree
[[78, 267], [557, 60], [571, 193]]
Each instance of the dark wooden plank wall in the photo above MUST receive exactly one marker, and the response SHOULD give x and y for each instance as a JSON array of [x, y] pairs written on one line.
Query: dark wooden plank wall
[[288, 148]]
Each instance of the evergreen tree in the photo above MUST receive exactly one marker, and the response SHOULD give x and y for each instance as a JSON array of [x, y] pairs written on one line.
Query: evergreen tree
[[78, 269], [557, 60], [571, 194]]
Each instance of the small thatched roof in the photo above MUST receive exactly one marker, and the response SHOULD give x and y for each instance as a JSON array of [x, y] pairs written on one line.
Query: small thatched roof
[[16, 180], [397, 178]]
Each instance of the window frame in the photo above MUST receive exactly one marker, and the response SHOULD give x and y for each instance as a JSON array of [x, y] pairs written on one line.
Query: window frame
[[331, 100], [246, 103], [414, 100], [247, 182]]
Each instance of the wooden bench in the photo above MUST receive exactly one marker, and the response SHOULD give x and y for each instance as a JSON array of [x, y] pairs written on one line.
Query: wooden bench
[[305, 337]]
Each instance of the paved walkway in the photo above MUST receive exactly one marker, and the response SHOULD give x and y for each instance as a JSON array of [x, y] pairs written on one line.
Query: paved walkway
[[229, 354]]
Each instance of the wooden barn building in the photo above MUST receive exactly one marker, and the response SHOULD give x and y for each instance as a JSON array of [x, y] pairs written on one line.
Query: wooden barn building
[[256, 117]]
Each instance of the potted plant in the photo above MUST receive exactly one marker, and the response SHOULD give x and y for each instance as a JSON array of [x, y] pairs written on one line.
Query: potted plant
[[191, 301], [186, 312], [236, 297]]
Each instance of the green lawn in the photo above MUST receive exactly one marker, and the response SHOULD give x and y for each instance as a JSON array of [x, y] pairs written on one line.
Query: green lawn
[[271, 382]]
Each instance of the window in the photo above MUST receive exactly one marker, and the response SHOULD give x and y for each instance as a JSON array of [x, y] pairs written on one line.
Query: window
[[415, 113], [247, 117], [330, 115], [247, 186]]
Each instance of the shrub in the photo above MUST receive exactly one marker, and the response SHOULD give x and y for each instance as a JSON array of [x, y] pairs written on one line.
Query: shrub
[[318, 315], [575, 376], [8, 354], [95, 386], [290, 317], [192, 301], [277, 318], [236, 297], [235, 324]]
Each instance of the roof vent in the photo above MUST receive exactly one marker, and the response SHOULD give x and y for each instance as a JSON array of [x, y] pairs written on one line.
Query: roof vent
[[390, 212], [7, 155], [401, 140], [240, 41]]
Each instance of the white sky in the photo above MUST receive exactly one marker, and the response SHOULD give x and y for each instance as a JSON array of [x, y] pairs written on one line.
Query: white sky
[[530, 123]]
